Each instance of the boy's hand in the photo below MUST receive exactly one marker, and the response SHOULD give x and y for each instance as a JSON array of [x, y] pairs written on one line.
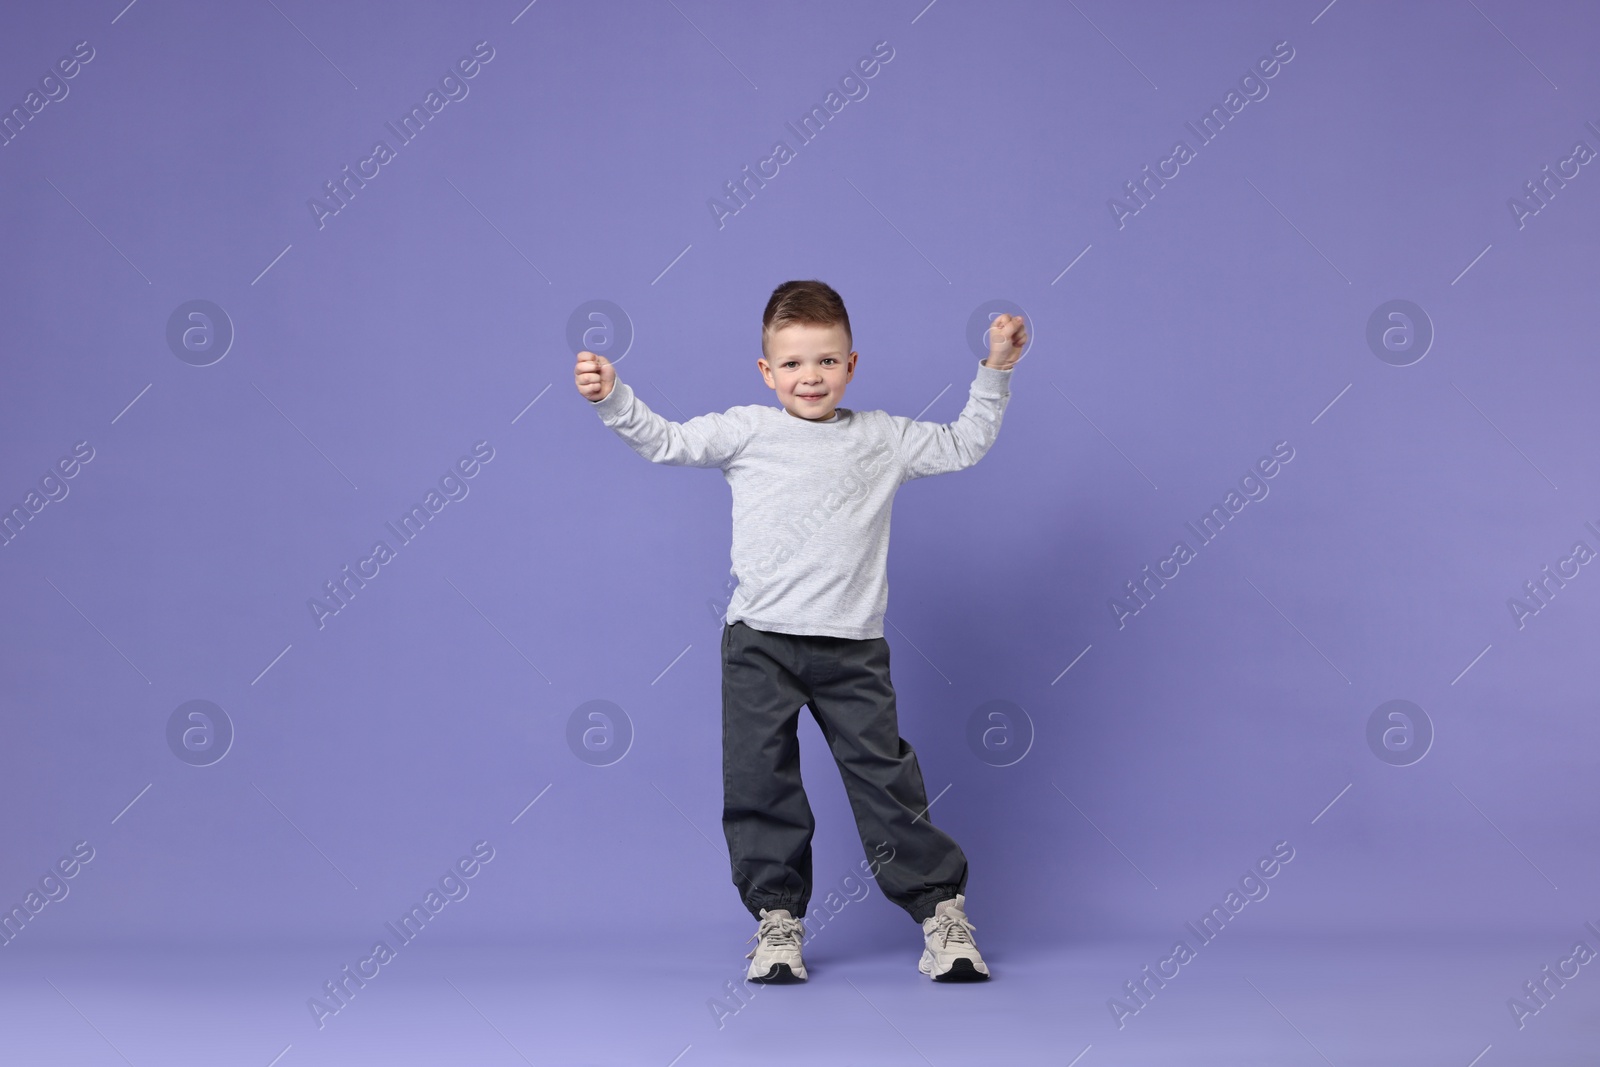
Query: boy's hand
[[595, 376], [1007, 338]]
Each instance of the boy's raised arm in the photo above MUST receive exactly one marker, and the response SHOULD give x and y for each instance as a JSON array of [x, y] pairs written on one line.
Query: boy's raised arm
[[938, 448], [709, 440]]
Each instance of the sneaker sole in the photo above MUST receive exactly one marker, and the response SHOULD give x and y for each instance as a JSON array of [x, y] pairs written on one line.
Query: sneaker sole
[[961, 970], [780, 974]]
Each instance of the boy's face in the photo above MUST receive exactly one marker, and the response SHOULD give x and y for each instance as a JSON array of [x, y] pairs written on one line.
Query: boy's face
[[808, 368]]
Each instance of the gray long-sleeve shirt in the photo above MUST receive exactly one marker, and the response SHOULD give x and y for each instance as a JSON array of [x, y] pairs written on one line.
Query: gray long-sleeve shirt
[[811, 500]]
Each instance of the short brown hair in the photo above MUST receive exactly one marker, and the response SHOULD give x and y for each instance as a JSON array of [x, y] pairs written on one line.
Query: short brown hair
[[811, 303]]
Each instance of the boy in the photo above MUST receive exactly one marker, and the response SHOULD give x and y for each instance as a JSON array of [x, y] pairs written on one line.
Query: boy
[[812, 485]]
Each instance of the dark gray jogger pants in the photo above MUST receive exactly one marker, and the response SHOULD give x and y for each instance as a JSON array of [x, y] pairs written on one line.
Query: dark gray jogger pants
[[766, 677]]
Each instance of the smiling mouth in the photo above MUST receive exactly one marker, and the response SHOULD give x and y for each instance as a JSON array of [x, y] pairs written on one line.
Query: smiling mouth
[[811, 396]]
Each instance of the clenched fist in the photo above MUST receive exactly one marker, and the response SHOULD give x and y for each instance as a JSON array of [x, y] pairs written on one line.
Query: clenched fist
[[1008, 336], [595, 376]]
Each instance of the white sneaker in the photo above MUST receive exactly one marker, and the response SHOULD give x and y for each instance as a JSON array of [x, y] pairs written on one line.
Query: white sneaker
[[776, 957], [949, 953]]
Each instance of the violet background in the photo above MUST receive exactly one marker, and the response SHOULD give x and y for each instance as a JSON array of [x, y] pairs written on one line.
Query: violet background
[[432, 312]]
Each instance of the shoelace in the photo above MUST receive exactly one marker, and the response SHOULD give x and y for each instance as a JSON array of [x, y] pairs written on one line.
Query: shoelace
[[779, 932], [954, 930]]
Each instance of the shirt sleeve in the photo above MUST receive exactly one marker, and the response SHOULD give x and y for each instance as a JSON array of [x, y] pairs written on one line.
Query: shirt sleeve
[[939, 448], [709, 440]]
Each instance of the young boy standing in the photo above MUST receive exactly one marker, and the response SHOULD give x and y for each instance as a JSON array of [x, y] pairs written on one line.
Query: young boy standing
[[813, 484]]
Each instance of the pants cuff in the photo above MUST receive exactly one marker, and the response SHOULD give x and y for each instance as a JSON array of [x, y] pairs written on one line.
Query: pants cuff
[[793, 907], [923, 910]]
